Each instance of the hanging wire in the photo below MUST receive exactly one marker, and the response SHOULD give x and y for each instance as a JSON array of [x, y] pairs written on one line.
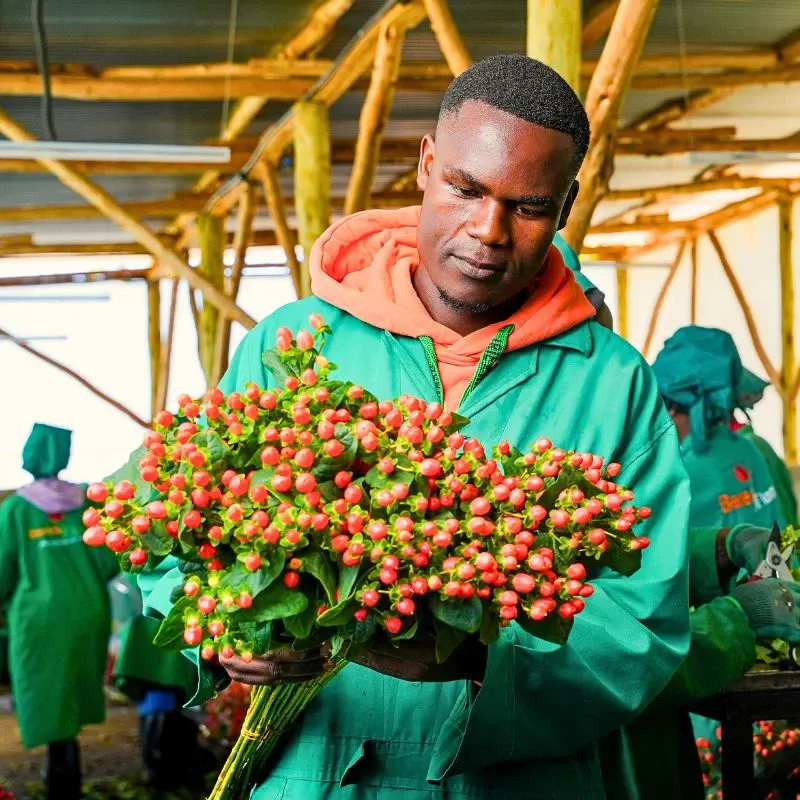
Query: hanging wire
[[43, 62], [226, 102]]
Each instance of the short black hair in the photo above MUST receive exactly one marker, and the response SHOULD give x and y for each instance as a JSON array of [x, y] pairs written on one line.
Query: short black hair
[[526, 88]]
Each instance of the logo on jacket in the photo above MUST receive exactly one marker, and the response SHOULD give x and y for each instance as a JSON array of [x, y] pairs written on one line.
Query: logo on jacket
[[742, 473]]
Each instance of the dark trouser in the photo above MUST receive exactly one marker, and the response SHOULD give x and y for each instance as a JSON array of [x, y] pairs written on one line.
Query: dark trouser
[[171, 755], [63, 773]]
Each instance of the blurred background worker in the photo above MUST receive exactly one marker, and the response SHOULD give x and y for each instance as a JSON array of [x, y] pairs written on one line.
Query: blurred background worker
[[55, 590], [749, 392], [733, 508], [160, 682]]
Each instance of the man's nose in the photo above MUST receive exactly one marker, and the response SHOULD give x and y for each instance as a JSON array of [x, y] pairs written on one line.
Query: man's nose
[[490, 224]]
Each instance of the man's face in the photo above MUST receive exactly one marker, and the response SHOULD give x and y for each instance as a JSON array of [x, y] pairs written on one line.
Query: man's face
[[497, 188]]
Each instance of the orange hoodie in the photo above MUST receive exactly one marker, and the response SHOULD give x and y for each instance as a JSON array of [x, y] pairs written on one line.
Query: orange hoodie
[[364, 263]]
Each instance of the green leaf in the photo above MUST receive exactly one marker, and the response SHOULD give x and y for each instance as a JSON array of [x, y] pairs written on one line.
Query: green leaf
[[512, 463], [271, 359], [349, 579], [364, 630], [275, 602], [176, 593], [339, 645], [300, 625], [447, 640], [338, 394], [326, 468], [490, 629], [459, 421], [329, 491], [218, 451], [378, 480], [463, 615], [319, 564], [552, 628], [339, 615], [170, 634], [259, 634], [409, 633], [238, 576], [156, 540], [625, 562], [129, 471], [191, 567]]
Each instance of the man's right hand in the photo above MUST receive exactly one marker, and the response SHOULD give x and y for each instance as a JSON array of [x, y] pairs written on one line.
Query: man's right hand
[[772, 607], [279, 666]]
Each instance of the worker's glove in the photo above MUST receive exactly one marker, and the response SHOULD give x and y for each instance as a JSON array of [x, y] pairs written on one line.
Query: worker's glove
[[747, 546], [771, 606]]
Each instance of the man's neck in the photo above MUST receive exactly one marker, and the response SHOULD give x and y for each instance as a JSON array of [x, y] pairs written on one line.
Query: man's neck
[[462, 322]]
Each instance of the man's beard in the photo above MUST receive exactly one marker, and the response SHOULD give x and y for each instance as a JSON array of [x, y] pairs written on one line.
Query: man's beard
[[462, 307]]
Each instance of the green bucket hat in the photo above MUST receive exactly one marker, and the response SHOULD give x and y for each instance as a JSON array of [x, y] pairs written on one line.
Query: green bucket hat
[[47, 451], [699, 370]]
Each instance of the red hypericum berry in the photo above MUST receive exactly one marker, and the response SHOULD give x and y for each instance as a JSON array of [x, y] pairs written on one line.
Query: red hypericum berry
[[582, 516], [393, 624], [206, 604], [244, 600], [623, 524], [206, 551], [193, 636], [353, 494], [370, 597], [117, 541], [192, 519], [94, 536], [91, 517], [113, 508], [291, 578], [140, 524], [124, 490], [216, 628], [576, 572], [316, 321], [304, 339], [559, 518], [405, 606], [387, 576], [567, 610], [252, 561], [164, 419], [333, 448], [644, 512], [522, 583]]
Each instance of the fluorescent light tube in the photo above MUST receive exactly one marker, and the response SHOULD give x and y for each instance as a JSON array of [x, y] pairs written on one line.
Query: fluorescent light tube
[[86, 151]]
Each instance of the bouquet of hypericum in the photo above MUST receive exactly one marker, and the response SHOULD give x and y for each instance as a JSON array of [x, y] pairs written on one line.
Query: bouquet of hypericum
[[317, 513]]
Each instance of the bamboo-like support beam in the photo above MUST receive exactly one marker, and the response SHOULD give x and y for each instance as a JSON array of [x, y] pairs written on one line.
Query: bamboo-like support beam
[[331, 87], [448, 36], [669, 146], [603, 102], [312, 179], [374, 115], [788, 350], [693, 288], [673, 110], [654, 194], [6, 336], [212, 267], [598, 22], [102, 200], [166, 347], [99, 276], [268, 176], [734, 79], [154, 340], [554, 33], [241, 239], [662, 296], [747, 312], [623, 327]]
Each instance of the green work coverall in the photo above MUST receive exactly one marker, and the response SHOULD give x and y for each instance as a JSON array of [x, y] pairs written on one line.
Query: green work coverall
[[530, 731]]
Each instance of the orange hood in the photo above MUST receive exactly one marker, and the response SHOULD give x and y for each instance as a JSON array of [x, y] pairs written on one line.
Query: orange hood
[[364, 263]]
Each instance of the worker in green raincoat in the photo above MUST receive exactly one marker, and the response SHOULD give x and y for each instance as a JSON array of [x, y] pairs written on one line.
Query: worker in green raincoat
[[463, 300], [750, 391], [655, 755], [58, 610]]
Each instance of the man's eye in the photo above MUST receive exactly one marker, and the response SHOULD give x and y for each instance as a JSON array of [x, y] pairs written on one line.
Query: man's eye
[[530, 211], [466, 193]]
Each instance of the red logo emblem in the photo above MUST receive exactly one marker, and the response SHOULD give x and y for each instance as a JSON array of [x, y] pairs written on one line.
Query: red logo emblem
[[742, 473]]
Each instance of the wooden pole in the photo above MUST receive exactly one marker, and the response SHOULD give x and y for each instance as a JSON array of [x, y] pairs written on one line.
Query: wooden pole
[[749, 319], [5, 335], [244, 228], [75, 277], [154, 334], [166, 347], [554, 33], [374, 114], [603, 102], [662, 296], [693, 307], [788, 359], [268, 176], [312, 177], [598, 22], [212, 248], [101, 199], [447, 35], [623, 328]]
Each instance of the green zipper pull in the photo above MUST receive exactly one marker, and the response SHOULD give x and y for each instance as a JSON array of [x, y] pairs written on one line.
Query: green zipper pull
[[433, 364]]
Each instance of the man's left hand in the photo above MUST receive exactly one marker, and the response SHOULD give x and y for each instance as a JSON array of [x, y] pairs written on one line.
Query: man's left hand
[[416, 661], [747, 546]]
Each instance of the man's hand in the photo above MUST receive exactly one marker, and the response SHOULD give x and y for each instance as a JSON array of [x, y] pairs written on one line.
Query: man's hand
[[416, 661], [772, 608], [280, 666]]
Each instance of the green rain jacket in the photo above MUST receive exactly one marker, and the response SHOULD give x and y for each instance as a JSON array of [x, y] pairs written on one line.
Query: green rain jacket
[[59, 620], [654, 756], [782, 477], [530, 731]]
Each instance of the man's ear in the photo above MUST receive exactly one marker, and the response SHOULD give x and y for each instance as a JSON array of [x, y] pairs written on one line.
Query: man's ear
[[568, 203], [427, 148]]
